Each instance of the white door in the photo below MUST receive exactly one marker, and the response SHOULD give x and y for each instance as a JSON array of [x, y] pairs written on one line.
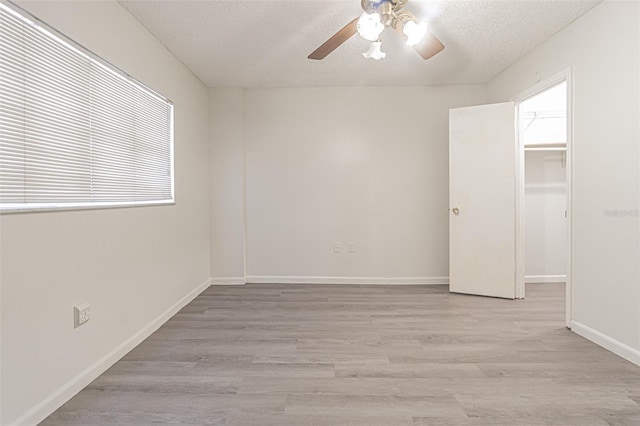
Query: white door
[[482, 197]]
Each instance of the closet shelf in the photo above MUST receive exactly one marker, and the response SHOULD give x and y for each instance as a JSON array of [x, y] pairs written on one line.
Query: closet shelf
[[546, 147]]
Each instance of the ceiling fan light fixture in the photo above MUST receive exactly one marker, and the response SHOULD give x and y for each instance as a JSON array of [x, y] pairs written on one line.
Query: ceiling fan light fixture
[[375, 51], [379, 15], [414, 31], [370, 26]]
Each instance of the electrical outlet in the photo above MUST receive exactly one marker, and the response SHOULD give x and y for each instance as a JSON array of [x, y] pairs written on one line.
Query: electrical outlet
[[352, 247], [81, 314], [337, 247]]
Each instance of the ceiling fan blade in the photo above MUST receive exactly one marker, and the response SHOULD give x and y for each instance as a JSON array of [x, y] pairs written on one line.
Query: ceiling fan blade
[[336, 40], [428, 47]]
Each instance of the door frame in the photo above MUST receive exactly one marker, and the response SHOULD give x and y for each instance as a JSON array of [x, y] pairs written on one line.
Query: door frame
[[540, 86]]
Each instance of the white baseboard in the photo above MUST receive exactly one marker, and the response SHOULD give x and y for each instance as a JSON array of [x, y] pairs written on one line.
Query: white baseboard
[[228, 281], [529, 279], [56, 399], [618, 348], [287, 279]]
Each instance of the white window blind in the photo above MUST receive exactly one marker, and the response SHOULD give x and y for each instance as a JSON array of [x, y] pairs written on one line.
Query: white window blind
[[74, 131]]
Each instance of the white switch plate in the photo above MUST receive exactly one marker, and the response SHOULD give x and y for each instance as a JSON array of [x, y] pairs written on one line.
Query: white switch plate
[[337, 247], [352, 247], [81, 314]]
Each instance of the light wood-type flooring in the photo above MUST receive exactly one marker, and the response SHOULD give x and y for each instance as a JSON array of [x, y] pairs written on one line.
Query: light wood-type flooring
[[295, 355]]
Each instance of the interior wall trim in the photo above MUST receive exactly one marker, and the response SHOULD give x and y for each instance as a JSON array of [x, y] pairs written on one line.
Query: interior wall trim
[[65, 392], [289, 279], [618, 348], [228, 281], [529, 279]]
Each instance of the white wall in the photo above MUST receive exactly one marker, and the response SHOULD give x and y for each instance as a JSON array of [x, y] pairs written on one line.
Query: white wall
[[130, 264], [545, 225], [227, 185], [603, 48], [361, 165]]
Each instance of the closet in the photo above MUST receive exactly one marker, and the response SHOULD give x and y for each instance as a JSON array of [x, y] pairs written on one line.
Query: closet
[[543, 131]]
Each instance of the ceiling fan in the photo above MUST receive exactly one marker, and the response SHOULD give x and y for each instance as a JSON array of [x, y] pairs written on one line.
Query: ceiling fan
[[377, 16]]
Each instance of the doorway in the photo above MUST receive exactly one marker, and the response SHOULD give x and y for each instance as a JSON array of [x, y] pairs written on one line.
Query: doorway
[[544, 213], [487, 228]]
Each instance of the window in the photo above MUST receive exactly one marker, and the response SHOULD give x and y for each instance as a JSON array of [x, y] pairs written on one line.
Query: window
[[75, 132]]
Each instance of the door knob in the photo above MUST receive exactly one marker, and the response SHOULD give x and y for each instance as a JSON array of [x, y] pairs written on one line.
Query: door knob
[[455, 211]]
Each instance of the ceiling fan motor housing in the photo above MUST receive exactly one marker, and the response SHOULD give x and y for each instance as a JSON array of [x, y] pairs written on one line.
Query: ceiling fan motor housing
[[387, 10], [372, 6]]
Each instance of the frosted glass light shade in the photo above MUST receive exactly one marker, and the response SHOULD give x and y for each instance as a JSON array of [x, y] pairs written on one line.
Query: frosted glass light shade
[[369, 26], [374, 51], [414, 32]]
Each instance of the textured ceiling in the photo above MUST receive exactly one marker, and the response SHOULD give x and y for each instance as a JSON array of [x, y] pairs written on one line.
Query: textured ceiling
[[265, 43]]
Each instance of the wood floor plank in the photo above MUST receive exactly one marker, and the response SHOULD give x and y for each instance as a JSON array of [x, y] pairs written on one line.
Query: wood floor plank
[[274, 354]]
